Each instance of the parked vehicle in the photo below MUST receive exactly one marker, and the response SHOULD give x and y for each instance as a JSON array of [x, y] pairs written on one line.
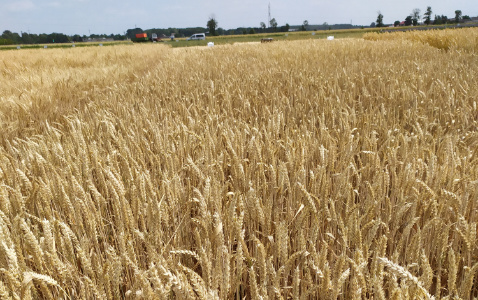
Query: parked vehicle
[[143, 37], [197, 36]]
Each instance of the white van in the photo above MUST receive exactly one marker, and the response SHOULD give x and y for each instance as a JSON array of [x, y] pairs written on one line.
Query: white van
[[197, 36]]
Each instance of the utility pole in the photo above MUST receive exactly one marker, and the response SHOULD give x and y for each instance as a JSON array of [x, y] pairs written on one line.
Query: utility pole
[[269, 14]]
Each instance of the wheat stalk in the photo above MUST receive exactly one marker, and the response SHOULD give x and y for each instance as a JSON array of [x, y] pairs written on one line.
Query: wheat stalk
[[404, 274], [241, 171]]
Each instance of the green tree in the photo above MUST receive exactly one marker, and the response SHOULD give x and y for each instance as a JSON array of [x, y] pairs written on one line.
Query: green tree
[[457, 16], [274, 24], [285, 28], [26, 38], [12, 36], [440, 20], [212, 25], [396, 24], [263, 26], [43, 38], [252, 31], [428, 15], [76, 38], [117, 37], [6, 41], [7, 34], [408, 21], [380, 20], [415, 16], [58, 38]]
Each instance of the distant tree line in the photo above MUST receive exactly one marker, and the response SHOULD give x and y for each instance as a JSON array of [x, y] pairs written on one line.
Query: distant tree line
[[10, 38], [13, 38], [262, 28], [414, 18], [186, 32]]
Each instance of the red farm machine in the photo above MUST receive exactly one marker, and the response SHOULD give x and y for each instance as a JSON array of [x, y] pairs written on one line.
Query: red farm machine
[[143, 37]]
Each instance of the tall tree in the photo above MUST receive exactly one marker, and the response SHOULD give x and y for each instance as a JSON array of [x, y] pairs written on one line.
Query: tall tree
[[263, 26], [380, 20], [444, 19], [415, 16], [273, 24], [428, 15], [305, 24], [457, 16], [212, 25], [408, 21], [440, 20]]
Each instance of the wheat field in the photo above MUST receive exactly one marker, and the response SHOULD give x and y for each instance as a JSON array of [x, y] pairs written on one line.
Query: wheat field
[[313, 169]]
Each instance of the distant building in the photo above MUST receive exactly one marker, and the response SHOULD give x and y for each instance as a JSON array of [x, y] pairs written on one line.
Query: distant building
[[472, 20]]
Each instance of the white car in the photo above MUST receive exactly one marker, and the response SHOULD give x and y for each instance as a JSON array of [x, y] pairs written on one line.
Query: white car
[[197, 36]]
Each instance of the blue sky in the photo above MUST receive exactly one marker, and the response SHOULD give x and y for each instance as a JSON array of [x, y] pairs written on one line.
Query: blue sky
[[109, 16]]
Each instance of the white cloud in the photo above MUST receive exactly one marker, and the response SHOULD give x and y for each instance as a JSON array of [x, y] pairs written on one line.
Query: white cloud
[[20, 6], [53, 4]]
